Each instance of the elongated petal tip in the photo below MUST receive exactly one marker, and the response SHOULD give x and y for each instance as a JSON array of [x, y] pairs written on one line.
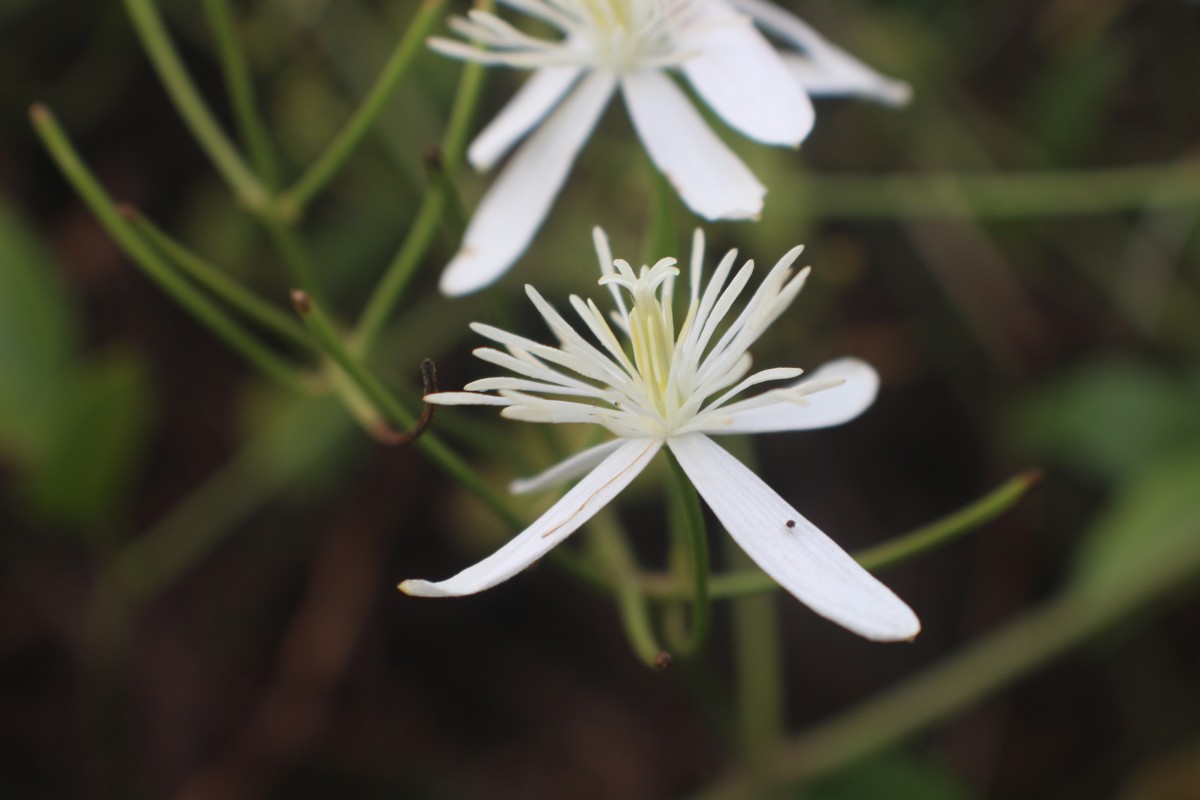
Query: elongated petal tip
[[710, 179], [417, 588], [904, 626], [894, 93], [469, 272]]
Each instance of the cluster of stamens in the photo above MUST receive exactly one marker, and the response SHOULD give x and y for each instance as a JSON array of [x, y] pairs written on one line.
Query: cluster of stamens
[[621, 35]]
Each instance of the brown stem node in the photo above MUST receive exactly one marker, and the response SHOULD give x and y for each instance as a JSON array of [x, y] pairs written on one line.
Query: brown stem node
[[301, 301]]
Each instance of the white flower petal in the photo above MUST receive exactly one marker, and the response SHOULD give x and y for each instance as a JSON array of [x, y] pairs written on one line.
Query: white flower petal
[[799, 556], [824, 68], [743, 79], [835, 77], [466, 399], [564, 518], [822, 409], [566, 470], [516, 204], [536, 97], [712, 181]]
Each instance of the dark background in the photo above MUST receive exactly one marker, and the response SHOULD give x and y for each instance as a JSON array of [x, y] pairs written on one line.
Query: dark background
[[282, 662]]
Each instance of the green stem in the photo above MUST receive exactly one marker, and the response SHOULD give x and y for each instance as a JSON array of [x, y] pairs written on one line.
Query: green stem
[[609, 547], [454, 217], [688, 526], [241, 92], [1018, 647], [1007, 195], [220, 284], [295, 256], [145, 257], [758, 668], [948, 528], [395, 413], [347, 140], [895, 551], [420, 236], [191, 106]]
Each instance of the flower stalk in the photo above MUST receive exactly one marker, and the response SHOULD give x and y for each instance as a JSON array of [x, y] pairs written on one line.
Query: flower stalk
[[209, 276], [292, 203], [388, 292], [196, 114], [154, 266], [692, 561], [240, 88]]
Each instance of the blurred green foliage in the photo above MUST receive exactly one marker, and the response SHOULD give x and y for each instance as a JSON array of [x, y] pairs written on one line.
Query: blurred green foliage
[[1005, 339], [78, 426], [893, 776], [39, 338], [1110, 418]]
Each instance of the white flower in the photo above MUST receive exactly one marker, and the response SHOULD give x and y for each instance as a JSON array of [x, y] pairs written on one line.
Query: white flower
[[628, 45], [678, 388]]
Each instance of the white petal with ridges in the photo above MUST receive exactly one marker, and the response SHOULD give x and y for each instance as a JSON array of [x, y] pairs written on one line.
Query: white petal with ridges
[[743, 79], [536, 97], [712, 181], [566, 470], [565, 517], [824, 68], [514, 207], [822, 409], [801, 558]]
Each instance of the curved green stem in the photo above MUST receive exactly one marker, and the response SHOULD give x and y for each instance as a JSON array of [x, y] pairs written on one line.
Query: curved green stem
[[385, 403], [292, 202], [948, 528], [688, 527], [145, 257], [241, 92], [420, 236], [609, 548], [1006, 195], [220, 284], [894, 551], [191, 106]]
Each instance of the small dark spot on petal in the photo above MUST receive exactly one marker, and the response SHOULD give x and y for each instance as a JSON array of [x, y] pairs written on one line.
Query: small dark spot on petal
[[791, 523]]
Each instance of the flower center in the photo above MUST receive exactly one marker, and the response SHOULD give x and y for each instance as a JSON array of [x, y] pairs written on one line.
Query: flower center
[[627, 34], [651, 327]]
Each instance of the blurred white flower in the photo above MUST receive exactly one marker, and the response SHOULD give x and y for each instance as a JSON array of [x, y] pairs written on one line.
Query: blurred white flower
[[628, 45], [662, 387]]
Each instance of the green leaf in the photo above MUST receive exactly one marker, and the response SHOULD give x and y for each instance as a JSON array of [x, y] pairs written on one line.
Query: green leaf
[[38, 339], [894, 776], [86, 478], [1154, 520], [1110, 418]]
